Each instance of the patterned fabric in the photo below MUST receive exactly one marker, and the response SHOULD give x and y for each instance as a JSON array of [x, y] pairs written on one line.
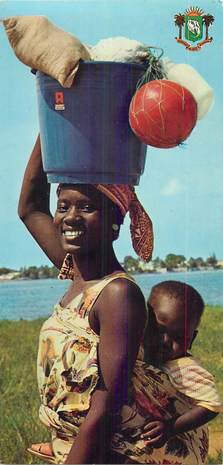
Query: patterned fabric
[[67, 269], [68, 373], [120, 194], [141, 227], [155, 397], [192, 380]]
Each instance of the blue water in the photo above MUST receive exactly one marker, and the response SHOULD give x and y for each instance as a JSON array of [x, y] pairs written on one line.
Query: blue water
[[33, 299]]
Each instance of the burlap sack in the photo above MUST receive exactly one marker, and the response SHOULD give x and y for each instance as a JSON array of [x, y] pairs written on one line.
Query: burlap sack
[[45, 47]]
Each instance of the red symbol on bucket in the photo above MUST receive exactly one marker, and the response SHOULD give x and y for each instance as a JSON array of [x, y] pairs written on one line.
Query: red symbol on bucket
[[59, 97], [59, 101]]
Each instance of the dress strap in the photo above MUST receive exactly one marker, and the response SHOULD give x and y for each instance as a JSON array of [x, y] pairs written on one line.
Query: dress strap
[[91, 294]]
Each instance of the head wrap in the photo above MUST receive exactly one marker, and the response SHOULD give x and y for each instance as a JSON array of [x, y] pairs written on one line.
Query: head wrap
[[141, 228]]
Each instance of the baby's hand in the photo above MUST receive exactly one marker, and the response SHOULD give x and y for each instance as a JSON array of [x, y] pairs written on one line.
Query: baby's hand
[[156, 433]]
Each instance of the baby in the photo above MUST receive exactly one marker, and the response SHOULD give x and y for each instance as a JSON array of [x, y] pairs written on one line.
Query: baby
[[175, 309]]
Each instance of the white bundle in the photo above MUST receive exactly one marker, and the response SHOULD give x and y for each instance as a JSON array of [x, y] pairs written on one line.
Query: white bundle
[[119, 49], [188, 77]]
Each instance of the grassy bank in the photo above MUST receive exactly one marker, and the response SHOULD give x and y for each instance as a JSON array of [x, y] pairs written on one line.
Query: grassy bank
[[19, 424]]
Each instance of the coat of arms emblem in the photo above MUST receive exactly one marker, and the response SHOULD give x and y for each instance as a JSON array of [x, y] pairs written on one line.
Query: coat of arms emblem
[[194, 22]]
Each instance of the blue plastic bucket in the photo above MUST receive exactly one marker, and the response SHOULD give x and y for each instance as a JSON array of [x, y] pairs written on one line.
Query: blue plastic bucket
[[85, 133]]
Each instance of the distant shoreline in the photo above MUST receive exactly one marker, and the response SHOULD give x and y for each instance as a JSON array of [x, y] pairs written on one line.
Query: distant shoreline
[[171, 263], [4, 278]]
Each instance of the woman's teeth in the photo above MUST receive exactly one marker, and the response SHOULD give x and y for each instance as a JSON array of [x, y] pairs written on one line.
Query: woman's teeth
[[72, 234]]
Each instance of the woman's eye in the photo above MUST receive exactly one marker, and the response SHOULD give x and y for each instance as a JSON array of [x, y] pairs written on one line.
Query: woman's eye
[[61, 208], [87, 208]]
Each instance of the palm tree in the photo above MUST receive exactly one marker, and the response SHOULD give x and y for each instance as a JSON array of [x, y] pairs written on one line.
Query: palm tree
[[208, 20], [179, 21]]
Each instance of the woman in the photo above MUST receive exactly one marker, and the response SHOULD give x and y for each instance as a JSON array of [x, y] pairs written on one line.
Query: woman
[[84, 379], [97, 395]]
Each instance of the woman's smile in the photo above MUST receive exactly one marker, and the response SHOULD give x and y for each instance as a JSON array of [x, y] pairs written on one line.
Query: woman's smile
[[73, 237], [72, 234]]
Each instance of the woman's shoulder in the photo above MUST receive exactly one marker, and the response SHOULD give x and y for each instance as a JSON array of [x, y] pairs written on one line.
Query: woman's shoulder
[[122, 285], [121, 295]]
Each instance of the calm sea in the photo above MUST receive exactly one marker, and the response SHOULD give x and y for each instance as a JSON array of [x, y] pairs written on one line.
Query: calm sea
[[33, 299]]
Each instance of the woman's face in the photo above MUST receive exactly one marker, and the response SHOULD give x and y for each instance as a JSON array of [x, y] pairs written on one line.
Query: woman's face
[[83, 219]]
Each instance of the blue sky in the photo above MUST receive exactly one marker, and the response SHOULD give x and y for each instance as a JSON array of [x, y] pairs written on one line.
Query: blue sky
[[181, 188]]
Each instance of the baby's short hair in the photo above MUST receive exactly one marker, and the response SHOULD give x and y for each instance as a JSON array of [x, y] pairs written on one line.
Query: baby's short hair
[[186, 294]]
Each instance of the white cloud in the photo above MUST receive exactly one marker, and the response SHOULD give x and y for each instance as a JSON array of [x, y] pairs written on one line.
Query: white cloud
[[172, 187]]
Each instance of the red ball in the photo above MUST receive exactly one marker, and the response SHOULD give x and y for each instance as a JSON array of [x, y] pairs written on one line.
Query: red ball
[[162, 113]]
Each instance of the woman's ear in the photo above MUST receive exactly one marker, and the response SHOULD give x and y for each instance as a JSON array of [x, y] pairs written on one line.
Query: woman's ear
[[115, 231], [116, 223]]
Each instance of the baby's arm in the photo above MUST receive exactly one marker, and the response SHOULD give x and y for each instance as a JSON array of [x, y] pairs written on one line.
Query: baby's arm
[[192, 419], [158, 432]]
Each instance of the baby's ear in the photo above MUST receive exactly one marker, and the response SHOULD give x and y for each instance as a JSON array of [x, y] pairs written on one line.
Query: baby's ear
[[193, 338]]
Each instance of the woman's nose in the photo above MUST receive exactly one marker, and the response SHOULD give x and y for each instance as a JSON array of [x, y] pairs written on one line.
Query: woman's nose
[[72, 215]]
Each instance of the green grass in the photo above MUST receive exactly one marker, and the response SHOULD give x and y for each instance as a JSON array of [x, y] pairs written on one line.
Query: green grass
[[19, 423], [208, 349]]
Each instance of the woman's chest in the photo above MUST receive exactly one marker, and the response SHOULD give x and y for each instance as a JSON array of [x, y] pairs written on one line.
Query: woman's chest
[[66, 327]]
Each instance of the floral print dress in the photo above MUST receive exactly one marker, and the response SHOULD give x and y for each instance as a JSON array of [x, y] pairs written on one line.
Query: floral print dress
[[68, 373]]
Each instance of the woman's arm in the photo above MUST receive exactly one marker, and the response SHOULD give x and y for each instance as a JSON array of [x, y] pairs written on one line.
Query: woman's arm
[[122, 315], [33, 208]]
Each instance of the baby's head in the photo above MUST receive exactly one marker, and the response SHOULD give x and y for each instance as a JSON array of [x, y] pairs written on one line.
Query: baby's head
[[175, 309]]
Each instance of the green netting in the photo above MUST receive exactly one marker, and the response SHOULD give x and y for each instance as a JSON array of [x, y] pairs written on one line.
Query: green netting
[[154, 68]]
